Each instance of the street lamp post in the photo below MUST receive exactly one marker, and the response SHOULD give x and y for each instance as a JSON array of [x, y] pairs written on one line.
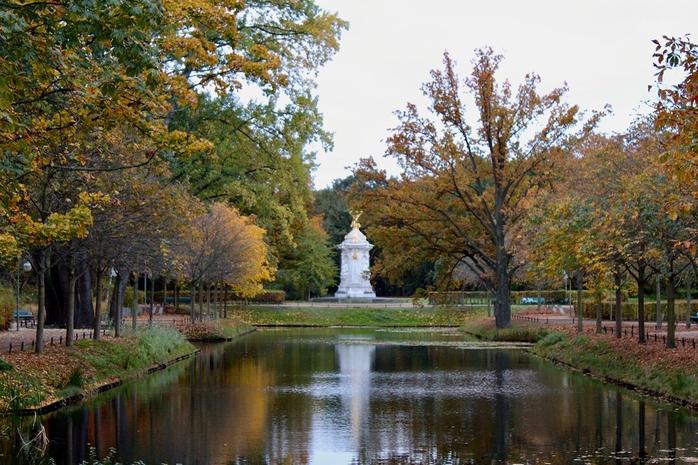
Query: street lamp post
[[21, 266]]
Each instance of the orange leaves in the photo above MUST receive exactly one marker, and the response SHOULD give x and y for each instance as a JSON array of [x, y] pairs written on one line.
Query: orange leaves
[[224, 246]]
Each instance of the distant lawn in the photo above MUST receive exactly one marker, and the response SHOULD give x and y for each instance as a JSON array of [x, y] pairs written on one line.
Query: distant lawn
[[356, 316]]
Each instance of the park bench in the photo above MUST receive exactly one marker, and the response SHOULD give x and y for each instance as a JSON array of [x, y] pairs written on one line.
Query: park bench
[[694, 318], [25, 317], [532, 300]]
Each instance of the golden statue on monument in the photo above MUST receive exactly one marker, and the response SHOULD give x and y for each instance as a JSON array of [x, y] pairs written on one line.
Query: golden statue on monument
[[355, 218]]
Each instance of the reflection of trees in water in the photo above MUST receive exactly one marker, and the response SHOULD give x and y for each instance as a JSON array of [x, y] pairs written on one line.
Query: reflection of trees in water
[[264, 400]]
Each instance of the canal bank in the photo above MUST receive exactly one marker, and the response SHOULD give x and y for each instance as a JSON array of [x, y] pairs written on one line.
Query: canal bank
[[650, 369], [38, 383]]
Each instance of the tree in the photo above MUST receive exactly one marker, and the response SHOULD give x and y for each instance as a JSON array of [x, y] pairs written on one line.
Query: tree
[[111, 78], [259, 162], [223, 246], [677, 113], [332, 203], [465, 190], [311, 269]]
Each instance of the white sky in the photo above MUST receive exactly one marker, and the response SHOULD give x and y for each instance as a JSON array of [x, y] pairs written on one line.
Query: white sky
[[601, 48]]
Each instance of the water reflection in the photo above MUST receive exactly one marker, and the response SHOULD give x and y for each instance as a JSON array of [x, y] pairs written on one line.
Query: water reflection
[[321, 397]]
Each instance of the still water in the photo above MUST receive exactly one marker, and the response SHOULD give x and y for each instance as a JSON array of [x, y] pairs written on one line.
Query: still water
[[340, 397]]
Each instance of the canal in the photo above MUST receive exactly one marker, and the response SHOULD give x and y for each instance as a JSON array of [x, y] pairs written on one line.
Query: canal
[[320, 396]]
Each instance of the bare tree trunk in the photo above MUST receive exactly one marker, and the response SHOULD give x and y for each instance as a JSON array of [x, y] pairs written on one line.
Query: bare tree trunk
[[216, 307], [98, 305], [225, 301], [134, 304], [658, 306], [192, 311], [85, 315], [670, 311], [41, 312], [689, 283], [152, 300], [120, 301], [208, 300], [580, 315], [164, 294], [176, 296], [502, 305], [70, 316], [618, 304], [599, 315], [115, 309], [641, 304], [201, 301]]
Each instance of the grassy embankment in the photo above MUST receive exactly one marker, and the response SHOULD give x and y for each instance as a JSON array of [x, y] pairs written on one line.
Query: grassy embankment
[[648, 368], [30, 381], [215, 331], [486, 331], [356, 316]]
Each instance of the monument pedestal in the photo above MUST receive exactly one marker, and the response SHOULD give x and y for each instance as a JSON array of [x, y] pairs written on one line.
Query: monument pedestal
[[355, 275]]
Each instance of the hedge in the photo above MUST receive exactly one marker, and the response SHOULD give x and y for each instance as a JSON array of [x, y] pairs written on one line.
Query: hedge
[[268, 296], [459, 298], [629, 309], [483, 297]]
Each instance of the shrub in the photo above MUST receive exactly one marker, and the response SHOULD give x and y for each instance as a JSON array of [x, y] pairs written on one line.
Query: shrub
[[77, 378], [128, 297], [7, 305], [458, 298], [629, 309], [4, 366], [483, 297], [268, 296], [551, 339]]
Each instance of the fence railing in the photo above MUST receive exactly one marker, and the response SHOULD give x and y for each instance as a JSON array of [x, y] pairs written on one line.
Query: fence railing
[[30, 344], [626, 331]]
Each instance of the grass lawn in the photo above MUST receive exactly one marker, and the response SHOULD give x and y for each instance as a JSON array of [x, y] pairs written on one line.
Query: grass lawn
[[517, 332], [356, 316], [30, 380]]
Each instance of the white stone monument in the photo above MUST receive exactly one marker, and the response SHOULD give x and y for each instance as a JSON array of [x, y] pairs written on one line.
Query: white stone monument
[[355, 275]]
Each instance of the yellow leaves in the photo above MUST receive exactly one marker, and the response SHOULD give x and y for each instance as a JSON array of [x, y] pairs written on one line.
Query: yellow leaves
[[9, 248], [25, 232], [94, 198], [186, 144], [61, 227], [223, 245]]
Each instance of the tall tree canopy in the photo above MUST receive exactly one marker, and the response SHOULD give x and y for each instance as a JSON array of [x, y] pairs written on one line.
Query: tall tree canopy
[[151, 91], [465, 189]]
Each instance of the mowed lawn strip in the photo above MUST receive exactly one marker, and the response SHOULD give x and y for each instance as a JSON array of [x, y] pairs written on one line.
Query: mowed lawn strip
[[356, 316]]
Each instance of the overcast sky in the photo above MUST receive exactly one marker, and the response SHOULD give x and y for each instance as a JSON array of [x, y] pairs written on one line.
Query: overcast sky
[[601, 48]]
